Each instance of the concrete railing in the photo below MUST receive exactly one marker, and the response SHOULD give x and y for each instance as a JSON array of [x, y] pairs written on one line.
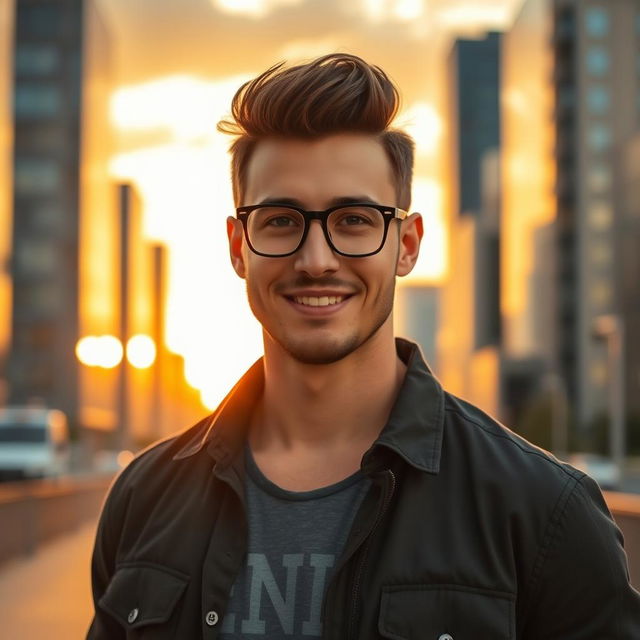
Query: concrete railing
[[33, 513], [625, 509]]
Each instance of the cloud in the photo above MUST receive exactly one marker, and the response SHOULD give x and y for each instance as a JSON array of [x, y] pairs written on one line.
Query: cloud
[[186, 106], [452, 15], [252, 8]]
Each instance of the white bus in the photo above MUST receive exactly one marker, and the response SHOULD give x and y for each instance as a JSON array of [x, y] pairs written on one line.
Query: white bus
[[34, 442]]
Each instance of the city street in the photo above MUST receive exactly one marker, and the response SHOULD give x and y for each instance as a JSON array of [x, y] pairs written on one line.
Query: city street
[[48, 595]]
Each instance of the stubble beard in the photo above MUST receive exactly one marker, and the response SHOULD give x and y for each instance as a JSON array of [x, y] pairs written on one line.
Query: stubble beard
[[323, 350]]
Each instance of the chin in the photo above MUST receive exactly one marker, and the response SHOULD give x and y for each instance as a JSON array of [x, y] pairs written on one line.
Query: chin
[[320, 351]]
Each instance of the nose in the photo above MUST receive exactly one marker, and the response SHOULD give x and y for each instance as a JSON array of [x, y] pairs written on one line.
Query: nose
[[315, 257]]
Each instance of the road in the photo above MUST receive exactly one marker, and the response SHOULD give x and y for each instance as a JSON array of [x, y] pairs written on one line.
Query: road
[[57, 580]]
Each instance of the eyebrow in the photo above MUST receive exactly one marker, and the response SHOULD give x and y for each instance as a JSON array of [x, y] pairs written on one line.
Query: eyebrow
[[294, 202]]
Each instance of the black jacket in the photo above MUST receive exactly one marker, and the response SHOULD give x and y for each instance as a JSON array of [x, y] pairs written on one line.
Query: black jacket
[[468, 530]]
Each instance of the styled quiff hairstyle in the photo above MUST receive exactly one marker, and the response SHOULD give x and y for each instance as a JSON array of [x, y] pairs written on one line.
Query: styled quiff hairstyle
[[337, 93]]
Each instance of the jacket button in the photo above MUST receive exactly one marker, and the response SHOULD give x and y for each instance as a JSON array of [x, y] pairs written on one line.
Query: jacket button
[[212, 618], [133, 616], [445, 636]]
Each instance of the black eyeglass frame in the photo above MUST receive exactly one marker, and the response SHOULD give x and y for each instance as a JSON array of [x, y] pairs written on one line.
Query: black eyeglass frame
[[388, 214]]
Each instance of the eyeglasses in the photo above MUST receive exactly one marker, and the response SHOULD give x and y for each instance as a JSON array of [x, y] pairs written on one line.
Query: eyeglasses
[[354, 230]]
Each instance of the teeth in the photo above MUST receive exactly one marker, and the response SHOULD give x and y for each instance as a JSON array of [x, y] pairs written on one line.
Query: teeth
[[322, 301]]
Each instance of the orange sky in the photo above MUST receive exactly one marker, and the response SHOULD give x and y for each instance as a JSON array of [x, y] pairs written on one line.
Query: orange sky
[[175, 65]]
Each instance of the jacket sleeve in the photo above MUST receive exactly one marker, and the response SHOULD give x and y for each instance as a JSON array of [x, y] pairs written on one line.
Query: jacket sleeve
[[581, 582], [103, 562]]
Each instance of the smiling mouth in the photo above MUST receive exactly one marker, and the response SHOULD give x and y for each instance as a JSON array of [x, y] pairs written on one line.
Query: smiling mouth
[[319, 301]]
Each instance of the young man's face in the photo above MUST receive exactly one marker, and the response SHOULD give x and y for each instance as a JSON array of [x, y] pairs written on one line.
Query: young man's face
[[288, 295]]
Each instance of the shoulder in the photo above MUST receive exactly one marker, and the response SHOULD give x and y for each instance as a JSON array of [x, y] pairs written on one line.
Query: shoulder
[[496, 453], [152, 467]]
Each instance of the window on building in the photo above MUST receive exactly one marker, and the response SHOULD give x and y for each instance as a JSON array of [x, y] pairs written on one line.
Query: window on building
[[598, 61], [599, 137], [600, 215], [42, 336], [45, 217], [36, 101], [599, 179], [40, 299], [601, 294], [35, 257], [34, 176], [565, 23], [596, 22], [36, 59], [598, 373], [42, 20], [601, 254], [34, 335], [566, 96], [598, 100], [51, 136], [41, 374]]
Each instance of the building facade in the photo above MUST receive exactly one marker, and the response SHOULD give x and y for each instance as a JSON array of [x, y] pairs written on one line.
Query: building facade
[[54, 46], [6, 137], [474, 113], [469, 312], [571, 87]]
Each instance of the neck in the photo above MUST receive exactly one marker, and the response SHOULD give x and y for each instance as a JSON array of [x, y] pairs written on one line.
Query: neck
[[332, 407]]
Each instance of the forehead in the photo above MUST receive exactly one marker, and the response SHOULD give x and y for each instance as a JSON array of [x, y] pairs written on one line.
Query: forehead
[[316, 172]]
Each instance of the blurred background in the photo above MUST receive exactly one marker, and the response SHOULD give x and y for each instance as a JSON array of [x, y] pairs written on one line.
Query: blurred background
[[121, 320]]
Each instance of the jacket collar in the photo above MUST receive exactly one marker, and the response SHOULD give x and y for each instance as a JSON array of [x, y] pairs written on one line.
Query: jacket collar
[[414, 430], [416, 423]]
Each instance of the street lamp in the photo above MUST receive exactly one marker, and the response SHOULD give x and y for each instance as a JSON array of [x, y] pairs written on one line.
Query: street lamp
[[610, 328], [107, 352]]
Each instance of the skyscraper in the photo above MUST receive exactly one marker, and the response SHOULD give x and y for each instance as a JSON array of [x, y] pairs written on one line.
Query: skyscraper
[[474, 114], [571, 96], [469, 334], [55, 67]]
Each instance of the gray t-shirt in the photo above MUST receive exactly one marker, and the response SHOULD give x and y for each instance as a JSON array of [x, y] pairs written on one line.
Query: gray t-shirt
[[294, 541]]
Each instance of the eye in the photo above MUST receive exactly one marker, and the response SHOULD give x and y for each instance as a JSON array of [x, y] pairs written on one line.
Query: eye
[[281, 221], [275, 218], [354, 219]]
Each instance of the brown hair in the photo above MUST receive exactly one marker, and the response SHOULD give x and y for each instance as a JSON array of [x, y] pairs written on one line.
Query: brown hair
[[337, 93]]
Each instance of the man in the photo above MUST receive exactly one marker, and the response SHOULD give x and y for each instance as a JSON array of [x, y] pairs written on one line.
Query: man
[[338, 491]]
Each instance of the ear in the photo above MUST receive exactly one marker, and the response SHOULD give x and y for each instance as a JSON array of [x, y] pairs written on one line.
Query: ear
[[235, 234], [410, 236]]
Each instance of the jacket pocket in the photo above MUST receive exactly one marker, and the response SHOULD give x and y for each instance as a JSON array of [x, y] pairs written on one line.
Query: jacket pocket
[[446, 611], [142, 597]]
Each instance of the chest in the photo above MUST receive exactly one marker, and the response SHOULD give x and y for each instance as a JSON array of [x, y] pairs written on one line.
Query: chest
[[410, 563]]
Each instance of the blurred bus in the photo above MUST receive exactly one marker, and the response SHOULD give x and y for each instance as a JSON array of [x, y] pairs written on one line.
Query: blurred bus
[[34, 443]]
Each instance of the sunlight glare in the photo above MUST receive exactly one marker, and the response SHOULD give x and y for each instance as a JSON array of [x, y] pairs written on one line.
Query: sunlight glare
[[431, 265], [422, 122], [141, 351], [99, 351], [252, 8], [185, 188], [473, 15], [408, 9], [374, 9], [184, 106]]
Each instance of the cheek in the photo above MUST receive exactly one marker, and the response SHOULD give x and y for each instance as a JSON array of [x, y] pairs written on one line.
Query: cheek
[[259, 275]]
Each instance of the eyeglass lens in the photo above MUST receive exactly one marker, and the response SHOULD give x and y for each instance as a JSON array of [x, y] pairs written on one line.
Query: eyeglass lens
[[353, 230]]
